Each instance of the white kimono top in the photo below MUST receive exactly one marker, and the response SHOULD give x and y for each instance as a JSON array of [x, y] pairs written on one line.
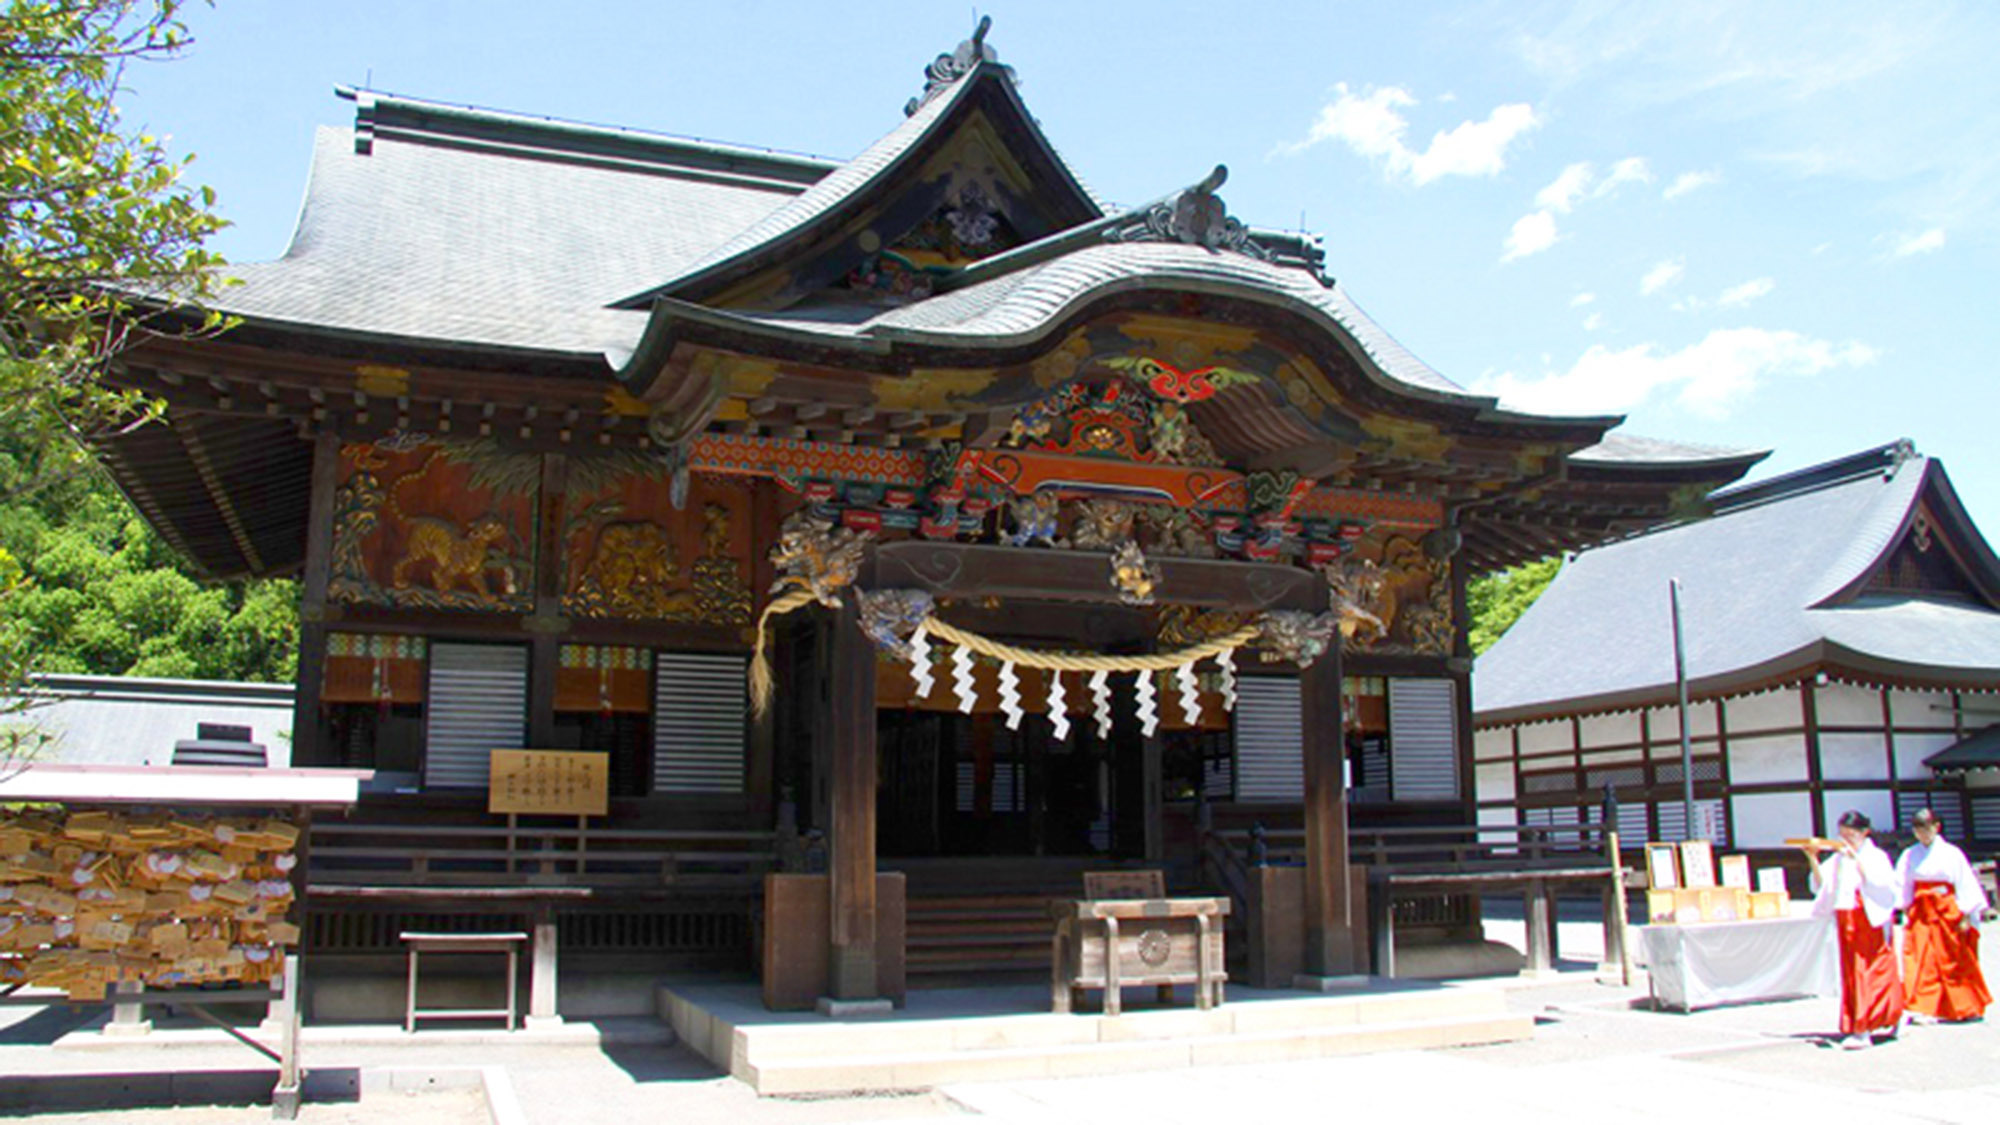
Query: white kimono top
[[1867, 871], [1940, 862]]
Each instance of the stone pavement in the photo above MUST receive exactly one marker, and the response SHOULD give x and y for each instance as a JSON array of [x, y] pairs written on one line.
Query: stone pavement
[[1598, 1055]]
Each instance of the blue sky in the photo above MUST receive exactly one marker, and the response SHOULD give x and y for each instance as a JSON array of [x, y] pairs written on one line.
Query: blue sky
[[1768, 225]]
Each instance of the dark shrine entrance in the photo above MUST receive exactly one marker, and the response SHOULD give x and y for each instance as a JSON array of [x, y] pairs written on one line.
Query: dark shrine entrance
[[965, 785]]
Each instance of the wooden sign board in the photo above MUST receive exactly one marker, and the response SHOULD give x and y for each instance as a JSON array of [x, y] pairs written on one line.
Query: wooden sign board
[[1735, 871], [1662, 869], [553, 782], [1697, 864]]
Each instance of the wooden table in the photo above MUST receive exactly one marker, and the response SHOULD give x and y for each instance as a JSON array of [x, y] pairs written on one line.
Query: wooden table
[[419, 943], [1110, 943], [1536, 885]]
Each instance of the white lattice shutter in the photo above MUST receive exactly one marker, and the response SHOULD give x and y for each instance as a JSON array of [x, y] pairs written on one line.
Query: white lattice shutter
[[699, 709], [478, 703], [1270, 760], [1423, 740]]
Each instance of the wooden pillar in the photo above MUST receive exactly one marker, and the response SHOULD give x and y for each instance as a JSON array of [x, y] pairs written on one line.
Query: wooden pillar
[[1331, 925], [1152, 782], [312, 600], [850, 674], [543, 1010], [547, 625]]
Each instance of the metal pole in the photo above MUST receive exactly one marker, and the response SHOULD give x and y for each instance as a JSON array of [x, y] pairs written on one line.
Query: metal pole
[[1681, 691]]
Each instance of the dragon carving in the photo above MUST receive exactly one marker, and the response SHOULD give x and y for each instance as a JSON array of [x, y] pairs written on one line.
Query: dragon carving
[[816, 557]]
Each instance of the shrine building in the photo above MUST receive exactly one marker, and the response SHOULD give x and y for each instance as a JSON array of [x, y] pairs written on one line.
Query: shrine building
[[915, 514], [1841, 635]]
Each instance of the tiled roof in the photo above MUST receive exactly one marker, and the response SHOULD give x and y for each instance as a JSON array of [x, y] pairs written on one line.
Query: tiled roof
[[1621, 448], [472, 246], [1753, 579], [1021, 306]]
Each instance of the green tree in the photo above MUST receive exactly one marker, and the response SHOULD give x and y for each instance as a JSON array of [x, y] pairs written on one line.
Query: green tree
[[100, 246], [1497, 600], [100, 241], [95, 591]]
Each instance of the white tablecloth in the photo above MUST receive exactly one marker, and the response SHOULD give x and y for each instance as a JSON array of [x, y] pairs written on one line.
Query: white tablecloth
[[1700, 966]]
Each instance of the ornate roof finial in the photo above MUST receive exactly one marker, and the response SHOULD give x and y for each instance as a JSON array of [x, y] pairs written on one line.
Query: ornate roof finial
[[1195, 216], [947, 69]]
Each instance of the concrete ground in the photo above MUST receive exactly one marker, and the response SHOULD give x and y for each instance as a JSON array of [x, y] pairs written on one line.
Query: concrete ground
[[1599, 1054]]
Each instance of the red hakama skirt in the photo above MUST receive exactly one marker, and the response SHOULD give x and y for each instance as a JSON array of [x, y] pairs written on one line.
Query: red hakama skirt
[[1941, 961], [1871, 989]]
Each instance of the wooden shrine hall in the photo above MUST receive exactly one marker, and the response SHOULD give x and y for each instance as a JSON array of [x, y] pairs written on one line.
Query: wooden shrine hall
[[915, 515]]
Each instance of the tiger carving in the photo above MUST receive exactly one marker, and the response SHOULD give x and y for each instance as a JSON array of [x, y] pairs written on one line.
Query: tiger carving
[[454, 559]]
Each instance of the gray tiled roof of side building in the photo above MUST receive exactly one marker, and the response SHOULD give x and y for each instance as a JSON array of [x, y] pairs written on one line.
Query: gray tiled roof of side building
[[438, 243], [1749, 579]]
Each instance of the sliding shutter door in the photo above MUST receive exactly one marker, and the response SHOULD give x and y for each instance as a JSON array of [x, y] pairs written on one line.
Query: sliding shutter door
[[1423, 740], [699, 709], [1270, 762], [478, 704]]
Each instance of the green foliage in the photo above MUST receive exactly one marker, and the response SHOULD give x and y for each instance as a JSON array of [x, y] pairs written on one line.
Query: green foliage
[[100, 242], [96, 591], [1496, 601], [100, 248]]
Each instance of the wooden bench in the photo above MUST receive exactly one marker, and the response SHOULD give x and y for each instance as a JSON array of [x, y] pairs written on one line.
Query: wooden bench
[[1126, 931], [420, 943], [1535, 883]]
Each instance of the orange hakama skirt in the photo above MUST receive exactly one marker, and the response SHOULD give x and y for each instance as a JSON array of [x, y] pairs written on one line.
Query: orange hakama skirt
[[1940, 961], [1871, 986]]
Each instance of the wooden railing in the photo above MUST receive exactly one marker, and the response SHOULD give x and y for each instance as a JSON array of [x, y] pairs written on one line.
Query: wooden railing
[[417, 855], [1425, 846]]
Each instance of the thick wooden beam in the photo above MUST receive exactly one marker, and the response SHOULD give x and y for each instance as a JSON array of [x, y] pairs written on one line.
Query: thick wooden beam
[[546, 626], [852, 960], [962, 570]]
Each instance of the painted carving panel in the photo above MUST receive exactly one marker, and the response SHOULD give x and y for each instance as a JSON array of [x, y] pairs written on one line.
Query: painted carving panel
[[435, 525], [628, 552]]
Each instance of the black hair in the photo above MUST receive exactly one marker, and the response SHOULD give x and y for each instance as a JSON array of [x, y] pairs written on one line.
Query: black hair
[[1925, 816], [1853, 818]]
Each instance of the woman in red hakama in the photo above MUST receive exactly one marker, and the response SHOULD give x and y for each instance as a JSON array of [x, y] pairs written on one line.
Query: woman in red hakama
[[1942, 903], [1858, 888]]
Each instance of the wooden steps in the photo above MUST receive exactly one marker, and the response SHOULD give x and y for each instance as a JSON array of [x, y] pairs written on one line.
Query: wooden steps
[[956, 937]]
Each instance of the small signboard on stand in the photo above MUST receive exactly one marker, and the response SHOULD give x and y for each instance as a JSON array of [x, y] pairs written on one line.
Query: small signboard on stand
[[549, 783]]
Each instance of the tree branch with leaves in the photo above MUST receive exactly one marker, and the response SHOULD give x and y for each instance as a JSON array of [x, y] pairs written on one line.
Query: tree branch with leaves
[[101, 242], [101, 246]]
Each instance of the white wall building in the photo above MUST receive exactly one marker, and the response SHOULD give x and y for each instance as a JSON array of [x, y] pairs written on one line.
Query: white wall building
[[1842, 634]]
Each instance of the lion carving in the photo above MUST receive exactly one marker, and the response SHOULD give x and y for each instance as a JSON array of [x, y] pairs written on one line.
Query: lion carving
[[630, 557], [454, 559]]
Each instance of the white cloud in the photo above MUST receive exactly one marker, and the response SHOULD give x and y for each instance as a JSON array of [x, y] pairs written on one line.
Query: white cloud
[[1581, 299], [1591, 322], [1709, 377], [1631, 170], [1371, 125], [1532, 234], [1567, 188], [1738, 295], [1690, 181], [1932, 239], [1579, 181], [1662, 275]]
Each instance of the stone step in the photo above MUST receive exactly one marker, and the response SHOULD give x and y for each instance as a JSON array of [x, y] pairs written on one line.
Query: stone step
[[863, 1072], [1041, 1028]]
